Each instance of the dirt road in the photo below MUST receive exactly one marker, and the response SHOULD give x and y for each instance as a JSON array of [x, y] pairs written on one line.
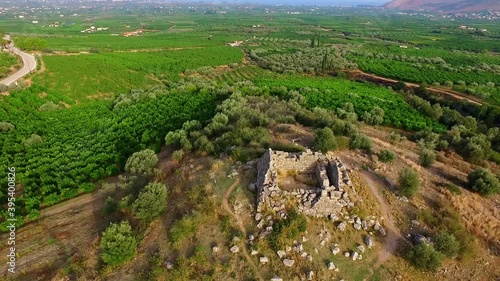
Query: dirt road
[[29, 64], [393, 234], [383, 80], [241, 226]]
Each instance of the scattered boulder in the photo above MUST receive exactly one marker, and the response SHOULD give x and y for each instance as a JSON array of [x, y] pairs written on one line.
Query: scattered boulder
[[258, 217], [234, 249], [341, 226], [335, 250], [331, 266], [420, 239], [382, 231], [298, 248], [354, 255], [264, 260], [281, 253], [347, 254], [254, 252], [288, 262], [361, 248], [310, 258], [276, 278], [169, 264], [310, 275], [288, 249], [215, 249], [369, 242], [357, 226]]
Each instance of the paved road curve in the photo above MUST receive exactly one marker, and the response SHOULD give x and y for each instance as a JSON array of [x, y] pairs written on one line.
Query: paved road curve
[[29, 64]]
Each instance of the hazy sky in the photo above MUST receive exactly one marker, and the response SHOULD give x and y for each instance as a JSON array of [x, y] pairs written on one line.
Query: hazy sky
[[304, 2], [321, 2]]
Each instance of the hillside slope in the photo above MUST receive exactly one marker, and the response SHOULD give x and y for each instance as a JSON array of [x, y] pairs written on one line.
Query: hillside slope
[[445, 5]]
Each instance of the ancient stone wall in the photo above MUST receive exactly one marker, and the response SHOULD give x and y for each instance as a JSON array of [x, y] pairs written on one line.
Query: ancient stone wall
[[327, 199]]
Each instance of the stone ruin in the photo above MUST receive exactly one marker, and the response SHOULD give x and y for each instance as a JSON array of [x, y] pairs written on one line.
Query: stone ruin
[[327, 199]]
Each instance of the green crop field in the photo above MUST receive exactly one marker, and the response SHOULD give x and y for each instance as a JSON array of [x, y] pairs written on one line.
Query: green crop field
[[108, 74], [334, 93]]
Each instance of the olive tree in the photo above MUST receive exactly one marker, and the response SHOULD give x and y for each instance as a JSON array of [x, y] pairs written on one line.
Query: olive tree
[[324, 140], [484, 182], [409, 182], [118, 244], [141, 163], [151, 201]]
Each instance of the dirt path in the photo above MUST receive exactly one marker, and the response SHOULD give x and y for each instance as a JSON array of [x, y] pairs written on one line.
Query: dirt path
[[70, 204], [454, 94], [393, 234], [241, 226]]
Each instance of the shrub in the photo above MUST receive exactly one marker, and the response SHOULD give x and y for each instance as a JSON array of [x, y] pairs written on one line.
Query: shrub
[[409, 182], [395, 137], [178, 155], [110, 206], [387, 156], [427, 157], [33, 140], [447, 244], [359, 141], [324, 140], [5, 126], [425, 257], [141, 163], [118, 244], [484, 182], [150, 202]]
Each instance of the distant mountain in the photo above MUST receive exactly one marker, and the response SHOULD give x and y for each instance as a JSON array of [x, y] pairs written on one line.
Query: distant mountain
[[445, 5]]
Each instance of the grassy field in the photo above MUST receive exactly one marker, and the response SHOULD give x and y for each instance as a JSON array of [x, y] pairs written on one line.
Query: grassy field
[[107, 74]]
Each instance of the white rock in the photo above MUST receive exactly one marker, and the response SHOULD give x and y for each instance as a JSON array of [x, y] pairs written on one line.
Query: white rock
[[288, 262], [354, 255], [264, 260], [234, 249], [347, 254], [276, 278], [335, 250], [369, 242], [361, 248], [254, 252], [281, 253], [331, 266], [215, 249], [310, 275]]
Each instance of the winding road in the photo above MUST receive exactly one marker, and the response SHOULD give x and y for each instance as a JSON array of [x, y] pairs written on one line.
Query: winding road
[[29, 64]]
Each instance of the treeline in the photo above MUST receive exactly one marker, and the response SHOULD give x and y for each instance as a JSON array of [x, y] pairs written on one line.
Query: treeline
[[477, 139], [315, 60]]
